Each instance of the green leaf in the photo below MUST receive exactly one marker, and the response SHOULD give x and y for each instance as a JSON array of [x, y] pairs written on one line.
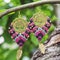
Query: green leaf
[[44, 38], [2, 10], [34, 39], [51, 29], [54, 18], [11, 13], [3, 21], [12, 55]]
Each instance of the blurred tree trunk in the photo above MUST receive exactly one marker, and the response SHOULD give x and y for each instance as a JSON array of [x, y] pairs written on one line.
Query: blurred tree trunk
[[57, 12], [53, 46]]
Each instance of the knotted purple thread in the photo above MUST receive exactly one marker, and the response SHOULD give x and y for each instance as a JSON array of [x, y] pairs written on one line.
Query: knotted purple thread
[[20, 39]]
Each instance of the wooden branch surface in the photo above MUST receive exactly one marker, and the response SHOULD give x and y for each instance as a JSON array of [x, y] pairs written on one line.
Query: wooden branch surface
[[29, 5]]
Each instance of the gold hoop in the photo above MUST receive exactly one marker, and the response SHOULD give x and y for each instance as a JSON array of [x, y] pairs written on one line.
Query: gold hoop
[[39, 19], [19, 25]]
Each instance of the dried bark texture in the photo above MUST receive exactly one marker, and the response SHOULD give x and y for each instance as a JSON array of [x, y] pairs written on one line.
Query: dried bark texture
[[52, 48]]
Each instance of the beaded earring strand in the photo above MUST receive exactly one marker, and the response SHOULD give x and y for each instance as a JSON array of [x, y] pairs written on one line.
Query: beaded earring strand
[[20, 33], [40, 23]]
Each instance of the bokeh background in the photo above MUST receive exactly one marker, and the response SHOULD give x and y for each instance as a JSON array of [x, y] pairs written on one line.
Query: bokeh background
[[8, 47]]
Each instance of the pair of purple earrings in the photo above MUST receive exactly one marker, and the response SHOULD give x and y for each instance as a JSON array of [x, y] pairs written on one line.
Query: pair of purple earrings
[[20, 39]]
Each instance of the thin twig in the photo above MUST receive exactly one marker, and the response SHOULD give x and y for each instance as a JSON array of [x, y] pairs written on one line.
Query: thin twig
[[33, 4]]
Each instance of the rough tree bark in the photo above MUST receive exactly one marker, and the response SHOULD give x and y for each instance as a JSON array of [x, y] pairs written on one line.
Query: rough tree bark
[[53, 44]]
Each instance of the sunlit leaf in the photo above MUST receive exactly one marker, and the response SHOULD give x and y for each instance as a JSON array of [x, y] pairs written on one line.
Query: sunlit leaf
[[34, 39], [12, 55]]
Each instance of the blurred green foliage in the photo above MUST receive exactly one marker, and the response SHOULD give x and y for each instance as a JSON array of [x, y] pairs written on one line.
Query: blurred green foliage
[[7, 50]]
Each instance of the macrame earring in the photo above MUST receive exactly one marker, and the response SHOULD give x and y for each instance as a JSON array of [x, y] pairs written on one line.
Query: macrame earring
[[20, 33], [41, 25]]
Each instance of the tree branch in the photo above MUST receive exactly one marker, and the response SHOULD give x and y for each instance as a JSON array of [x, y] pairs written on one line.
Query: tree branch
[[33, 4]]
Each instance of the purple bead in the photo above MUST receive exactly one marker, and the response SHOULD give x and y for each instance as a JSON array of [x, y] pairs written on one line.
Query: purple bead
[[17, 39], [22, 38], [14, 35], [39, 38], [36, 33], [45, 28], [20, 44], [35, 28], [11, 30], [43, 33]]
